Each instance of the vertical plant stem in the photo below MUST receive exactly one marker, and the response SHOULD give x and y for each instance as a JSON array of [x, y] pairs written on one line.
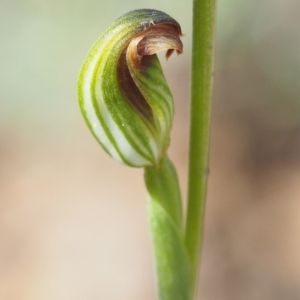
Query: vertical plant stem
[[171, 260], [200, 113]]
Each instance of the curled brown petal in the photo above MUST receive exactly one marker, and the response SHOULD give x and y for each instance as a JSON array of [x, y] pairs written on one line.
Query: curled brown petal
[[155, 38]]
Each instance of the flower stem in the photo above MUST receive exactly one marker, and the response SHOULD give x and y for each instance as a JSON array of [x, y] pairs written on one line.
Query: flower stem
[[200, 113], [164, 212]]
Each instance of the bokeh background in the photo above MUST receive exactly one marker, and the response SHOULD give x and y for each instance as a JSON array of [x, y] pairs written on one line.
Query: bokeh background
[[73, 223]]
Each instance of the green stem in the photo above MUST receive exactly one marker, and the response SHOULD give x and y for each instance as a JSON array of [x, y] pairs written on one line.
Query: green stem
[[200, 113], [165, 218]]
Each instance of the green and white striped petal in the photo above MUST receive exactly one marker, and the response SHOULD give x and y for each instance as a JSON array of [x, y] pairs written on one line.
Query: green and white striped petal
[[123, 94]]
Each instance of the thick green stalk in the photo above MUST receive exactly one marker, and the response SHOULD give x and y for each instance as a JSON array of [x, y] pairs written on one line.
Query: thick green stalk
[[171, 259], [200, 114]]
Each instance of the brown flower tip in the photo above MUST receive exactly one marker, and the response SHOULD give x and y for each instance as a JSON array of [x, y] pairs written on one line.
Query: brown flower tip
[[155, 38]]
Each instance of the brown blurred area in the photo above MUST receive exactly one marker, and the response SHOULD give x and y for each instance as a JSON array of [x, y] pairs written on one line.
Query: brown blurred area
[[73, 223]]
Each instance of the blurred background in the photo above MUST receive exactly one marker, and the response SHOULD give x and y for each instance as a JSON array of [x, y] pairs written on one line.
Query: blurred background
[[73, 222]]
